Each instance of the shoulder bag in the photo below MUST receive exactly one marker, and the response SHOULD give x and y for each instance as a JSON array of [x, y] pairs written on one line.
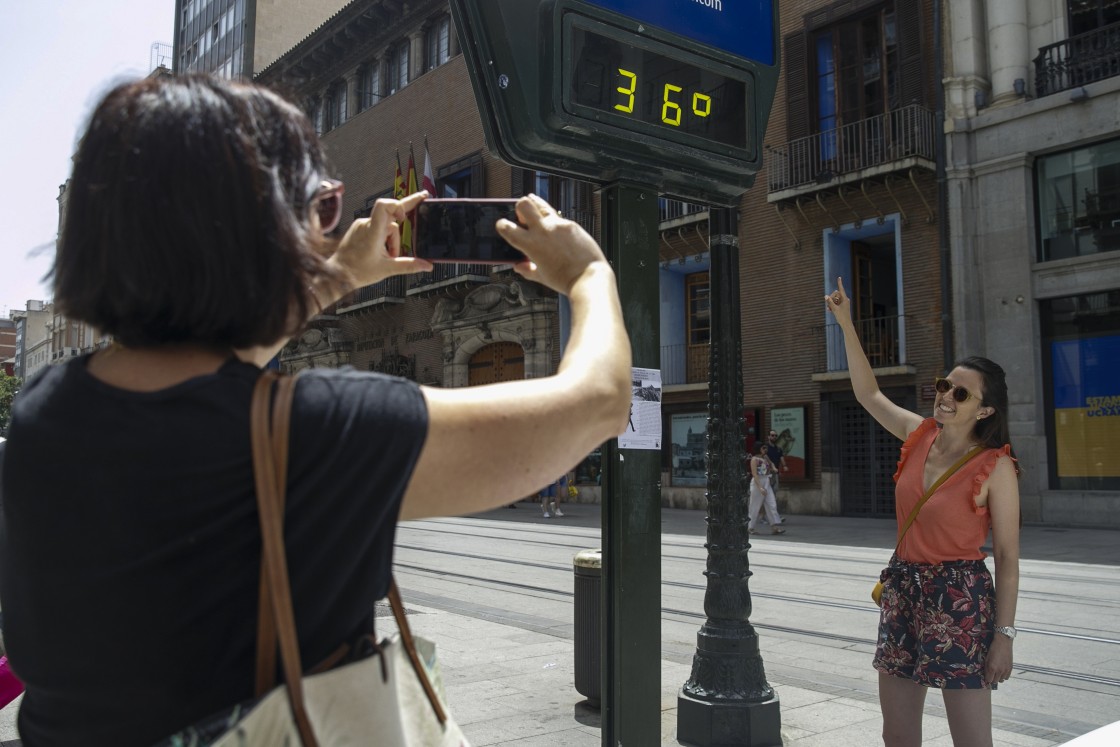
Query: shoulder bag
[[386, 698], [877, 592]]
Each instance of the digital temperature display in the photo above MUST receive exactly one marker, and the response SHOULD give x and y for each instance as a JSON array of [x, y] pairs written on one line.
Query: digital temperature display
[[647, 86]]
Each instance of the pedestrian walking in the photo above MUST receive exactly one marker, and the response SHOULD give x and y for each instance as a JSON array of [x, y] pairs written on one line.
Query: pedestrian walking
[[761, 494], [777, 458], [944, 623], [552, 495]]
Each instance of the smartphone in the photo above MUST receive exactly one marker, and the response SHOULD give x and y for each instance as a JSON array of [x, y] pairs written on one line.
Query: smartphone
[[463, 230]]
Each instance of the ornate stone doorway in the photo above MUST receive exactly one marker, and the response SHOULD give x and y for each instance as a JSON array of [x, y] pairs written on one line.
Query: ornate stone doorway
[[511, 320]]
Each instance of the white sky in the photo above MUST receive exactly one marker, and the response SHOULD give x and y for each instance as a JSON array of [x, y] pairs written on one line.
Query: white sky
[[56, 58]]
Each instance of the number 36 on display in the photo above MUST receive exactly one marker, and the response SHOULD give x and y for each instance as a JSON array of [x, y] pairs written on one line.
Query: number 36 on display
[[671, 95]]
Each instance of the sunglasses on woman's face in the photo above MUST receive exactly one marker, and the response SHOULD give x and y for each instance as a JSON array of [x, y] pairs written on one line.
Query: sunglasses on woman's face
[[944, 386], [327, 202]]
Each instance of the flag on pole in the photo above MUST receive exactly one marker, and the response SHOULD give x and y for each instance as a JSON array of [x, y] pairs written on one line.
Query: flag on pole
[[412, 186], [429, 183], [398, 180], [409, 188]]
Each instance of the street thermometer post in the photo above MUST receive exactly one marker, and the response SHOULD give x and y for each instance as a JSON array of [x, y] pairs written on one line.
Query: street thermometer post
[[645, 98]]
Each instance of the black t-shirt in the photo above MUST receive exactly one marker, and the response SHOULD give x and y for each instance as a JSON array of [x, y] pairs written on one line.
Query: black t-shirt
[[131, 548], [775, 453]]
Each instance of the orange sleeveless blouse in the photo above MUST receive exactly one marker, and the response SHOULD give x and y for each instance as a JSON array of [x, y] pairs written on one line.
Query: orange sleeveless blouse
[[950, 526]]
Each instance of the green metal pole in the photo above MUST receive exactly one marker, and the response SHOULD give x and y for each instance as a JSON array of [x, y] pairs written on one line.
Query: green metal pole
[[631, 635]]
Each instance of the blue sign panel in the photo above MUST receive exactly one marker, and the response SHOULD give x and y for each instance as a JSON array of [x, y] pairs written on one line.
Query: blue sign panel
[[742, 27]]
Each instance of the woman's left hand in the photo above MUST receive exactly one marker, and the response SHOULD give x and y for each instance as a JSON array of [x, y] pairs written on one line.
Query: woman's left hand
[[370, 251], [997, 665]]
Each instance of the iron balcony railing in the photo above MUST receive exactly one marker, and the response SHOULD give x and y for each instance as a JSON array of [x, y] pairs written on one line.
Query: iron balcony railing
[[1078, 60], [684, 364], [447, 271], [882, 338], [876, 141], [673, 209], [390, 288]]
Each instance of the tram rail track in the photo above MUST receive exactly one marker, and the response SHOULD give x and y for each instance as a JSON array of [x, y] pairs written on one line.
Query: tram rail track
[[779, 597], [532, 536], [666, 612]]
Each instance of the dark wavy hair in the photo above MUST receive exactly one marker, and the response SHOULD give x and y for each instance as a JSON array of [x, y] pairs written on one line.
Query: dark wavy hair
[[992, 431], [187, 218]]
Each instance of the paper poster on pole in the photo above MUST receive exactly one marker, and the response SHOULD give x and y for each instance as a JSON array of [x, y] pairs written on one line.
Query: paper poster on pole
[[643, 431]]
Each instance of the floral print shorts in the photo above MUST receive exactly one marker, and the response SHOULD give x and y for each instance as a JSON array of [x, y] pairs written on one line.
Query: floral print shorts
[[936, 623]]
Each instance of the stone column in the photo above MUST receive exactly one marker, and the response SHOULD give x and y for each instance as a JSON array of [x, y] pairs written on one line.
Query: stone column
[[966, 76], [1008, 47]]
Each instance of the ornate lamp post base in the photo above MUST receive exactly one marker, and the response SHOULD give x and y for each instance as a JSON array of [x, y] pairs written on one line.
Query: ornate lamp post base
[[702, 723], [736, 706]]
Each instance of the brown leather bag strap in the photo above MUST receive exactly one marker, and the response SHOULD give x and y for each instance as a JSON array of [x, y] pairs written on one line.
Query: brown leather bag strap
[[410, 646], [266, 625], [273, 561], [933, 489]]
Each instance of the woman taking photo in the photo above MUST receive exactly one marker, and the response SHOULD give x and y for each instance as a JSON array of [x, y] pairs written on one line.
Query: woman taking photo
[[943, 623], [198, 235]]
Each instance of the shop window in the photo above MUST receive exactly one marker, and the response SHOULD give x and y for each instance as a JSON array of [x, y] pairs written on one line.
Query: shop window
[[1080, 356], [1079, 202]]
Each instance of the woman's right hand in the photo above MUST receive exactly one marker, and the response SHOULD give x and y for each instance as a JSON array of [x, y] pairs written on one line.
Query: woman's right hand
[[839, 304], [370, 251], [558, 249]]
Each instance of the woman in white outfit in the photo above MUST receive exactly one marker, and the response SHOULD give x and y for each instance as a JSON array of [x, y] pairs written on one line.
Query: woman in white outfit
[[762, 495]]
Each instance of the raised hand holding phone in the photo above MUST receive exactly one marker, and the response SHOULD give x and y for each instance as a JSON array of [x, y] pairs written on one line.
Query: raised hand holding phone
[[559, 251], [370, 250]]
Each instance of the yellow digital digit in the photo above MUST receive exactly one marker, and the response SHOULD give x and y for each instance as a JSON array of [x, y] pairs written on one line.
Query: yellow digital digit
[[671, 110], [701, 104], [628, 92]]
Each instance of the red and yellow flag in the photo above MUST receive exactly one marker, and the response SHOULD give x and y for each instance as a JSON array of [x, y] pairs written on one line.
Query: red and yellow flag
[[410, 188], [398, 181]]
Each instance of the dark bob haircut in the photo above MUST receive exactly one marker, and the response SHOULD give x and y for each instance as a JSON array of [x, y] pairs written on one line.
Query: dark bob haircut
[[187, 219]]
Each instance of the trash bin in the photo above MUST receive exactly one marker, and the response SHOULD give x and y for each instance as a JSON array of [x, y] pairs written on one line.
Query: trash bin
[[588, 566]]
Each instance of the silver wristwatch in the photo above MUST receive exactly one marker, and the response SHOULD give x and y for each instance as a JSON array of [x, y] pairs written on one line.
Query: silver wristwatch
[[1008, 631]]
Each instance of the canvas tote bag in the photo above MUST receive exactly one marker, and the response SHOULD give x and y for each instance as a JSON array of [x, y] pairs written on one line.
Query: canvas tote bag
[[386, 699]]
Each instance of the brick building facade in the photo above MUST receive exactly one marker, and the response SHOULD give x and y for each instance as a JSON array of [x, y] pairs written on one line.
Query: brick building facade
[[848, 190]]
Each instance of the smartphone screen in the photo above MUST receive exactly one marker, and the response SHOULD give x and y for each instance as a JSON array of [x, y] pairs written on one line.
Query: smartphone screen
[[463, 230]]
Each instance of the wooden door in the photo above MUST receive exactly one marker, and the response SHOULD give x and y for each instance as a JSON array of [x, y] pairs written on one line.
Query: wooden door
[[499, 361]]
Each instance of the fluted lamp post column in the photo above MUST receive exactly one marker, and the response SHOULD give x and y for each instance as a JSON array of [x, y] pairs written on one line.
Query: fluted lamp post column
[[726, 700]]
